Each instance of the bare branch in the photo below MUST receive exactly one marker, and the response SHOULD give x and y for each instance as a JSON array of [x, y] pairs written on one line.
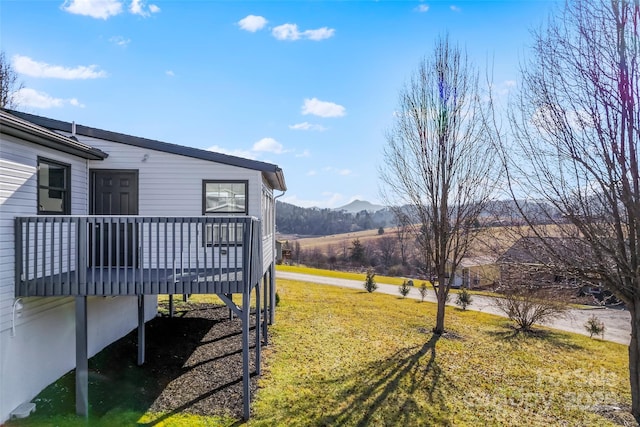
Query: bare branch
[[440, 160], [9, 84]]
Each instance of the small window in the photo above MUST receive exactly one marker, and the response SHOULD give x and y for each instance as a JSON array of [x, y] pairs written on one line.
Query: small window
[[224, 197], [54, 187]]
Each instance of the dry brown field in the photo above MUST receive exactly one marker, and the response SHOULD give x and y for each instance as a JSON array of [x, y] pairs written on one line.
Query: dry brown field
[[490, 241], [337, 241]]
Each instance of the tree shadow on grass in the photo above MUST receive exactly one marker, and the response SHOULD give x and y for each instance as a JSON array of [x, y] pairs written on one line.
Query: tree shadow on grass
[[384, 392], [193, 364], [512, 334]]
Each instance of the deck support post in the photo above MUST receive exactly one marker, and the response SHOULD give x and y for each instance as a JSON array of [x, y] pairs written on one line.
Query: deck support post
[[258, 329], [267, 309], [230, 296], [171, 308], [82, 358], [246, 378], [141, 343], [272, 294]]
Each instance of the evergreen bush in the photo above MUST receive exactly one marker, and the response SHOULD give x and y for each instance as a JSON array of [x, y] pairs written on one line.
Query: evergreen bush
[[370, 283]]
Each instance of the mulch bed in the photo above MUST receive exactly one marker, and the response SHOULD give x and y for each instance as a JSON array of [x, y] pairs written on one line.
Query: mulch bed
[[193, 364]]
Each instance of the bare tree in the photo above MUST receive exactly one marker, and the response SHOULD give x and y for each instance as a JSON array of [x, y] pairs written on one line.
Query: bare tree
[[527, 304], [9, 84], [439, 159], [576, 130], [387, 249], [297, 252], [403, 232]]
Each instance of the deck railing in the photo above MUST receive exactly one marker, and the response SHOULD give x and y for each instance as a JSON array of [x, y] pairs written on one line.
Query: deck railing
[[134, 255]]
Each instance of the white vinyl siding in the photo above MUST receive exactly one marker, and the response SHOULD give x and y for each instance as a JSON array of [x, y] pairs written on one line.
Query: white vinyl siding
[[43, 347], [268, 226], [171, 185], [18, 197]]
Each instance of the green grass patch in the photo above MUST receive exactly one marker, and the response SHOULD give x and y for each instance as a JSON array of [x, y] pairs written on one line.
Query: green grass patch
[[346, 357], [387, 280], [341, 274]]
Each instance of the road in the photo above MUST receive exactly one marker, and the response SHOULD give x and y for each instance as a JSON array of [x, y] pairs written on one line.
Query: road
[[617, 322]]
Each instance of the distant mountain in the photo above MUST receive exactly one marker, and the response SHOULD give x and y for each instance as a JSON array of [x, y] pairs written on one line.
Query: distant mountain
[[359, 206]]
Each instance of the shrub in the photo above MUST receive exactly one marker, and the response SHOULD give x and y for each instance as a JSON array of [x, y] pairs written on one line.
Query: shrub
[[594, 326], [529, 304], [423, 291], [404, 289], [277, 299], [464, 299], [370, 283]]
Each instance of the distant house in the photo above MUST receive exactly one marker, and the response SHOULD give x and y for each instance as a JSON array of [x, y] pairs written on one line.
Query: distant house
[[87, 213], [534, 260], [478, 272]]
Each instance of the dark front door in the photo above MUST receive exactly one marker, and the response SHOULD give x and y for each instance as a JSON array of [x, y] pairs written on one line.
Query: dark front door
[[114, 192]]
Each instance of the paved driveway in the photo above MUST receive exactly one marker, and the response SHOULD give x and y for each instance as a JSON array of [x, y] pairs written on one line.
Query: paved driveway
[[617, 322]]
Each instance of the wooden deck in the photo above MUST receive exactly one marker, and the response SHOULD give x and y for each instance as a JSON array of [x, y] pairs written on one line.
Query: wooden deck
[[115, 281], [124, 255]]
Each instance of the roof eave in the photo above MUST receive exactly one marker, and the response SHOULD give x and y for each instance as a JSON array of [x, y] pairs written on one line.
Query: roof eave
[[167, 147], [23, 129]]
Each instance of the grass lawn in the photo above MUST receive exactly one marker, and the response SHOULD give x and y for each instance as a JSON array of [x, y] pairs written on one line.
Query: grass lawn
[[344, 357]]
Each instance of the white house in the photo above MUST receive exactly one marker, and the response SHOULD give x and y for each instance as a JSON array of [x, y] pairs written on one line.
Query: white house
[[87, 214]]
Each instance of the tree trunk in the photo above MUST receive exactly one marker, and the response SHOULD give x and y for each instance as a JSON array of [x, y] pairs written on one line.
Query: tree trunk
[[442, 301], [634, 358]]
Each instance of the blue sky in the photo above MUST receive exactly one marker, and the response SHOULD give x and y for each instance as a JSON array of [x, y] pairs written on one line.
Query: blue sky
[[308, 85]]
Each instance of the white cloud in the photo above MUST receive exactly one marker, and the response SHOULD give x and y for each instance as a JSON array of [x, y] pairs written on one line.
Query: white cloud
[[312, 172], [422, 8], [305, 153], [268, 145], [307, 126], [238, 153], [503, 88], [26, 65], [138, 7], [265, 145], [454, 8], [120, 41], [252, 23], [27, 97], [76, 103], [291, 32], [336, 171], [99, 9], [286, 32], [322, 108], [319, 34], [170, 73]]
